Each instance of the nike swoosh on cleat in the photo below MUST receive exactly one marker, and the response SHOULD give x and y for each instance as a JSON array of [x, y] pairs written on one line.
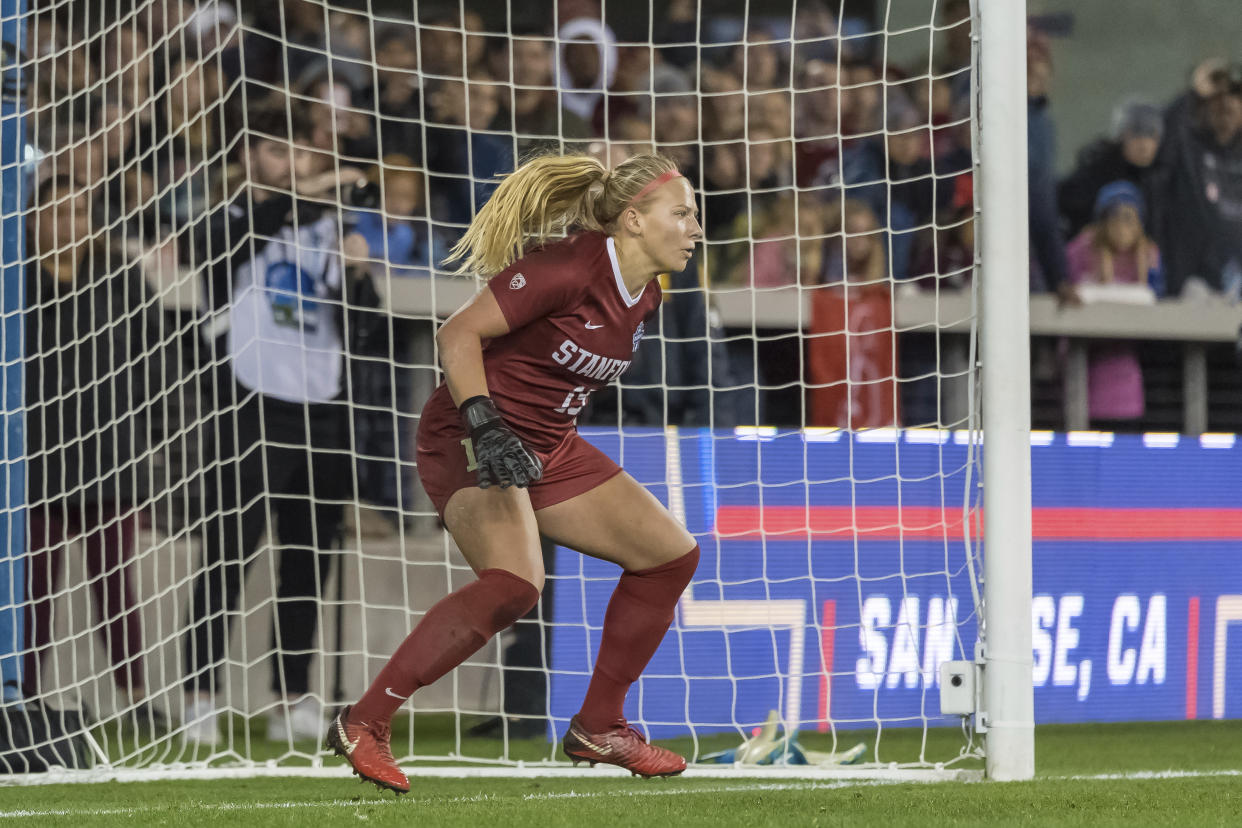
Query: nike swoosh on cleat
[[348, 745], [601, 750], [591, 327]]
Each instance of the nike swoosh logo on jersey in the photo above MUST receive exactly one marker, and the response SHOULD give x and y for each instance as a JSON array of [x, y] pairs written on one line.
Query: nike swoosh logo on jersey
[[388, 690], [591, 327]]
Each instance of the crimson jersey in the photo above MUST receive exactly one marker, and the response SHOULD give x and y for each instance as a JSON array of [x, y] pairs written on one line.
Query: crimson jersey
[[573, 328]]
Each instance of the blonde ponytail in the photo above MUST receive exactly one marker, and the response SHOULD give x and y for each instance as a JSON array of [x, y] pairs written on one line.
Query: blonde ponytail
[[545, 197]]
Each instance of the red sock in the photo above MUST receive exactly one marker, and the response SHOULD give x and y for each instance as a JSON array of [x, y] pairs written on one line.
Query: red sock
[[638, 616], [451, 631]]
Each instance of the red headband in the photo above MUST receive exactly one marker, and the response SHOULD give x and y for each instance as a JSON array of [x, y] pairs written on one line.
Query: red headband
[[664, 178]]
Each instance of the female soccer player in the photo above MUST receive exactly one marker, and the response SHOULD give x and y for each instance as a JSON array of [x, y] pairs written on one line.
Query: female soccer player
[[501, 458]]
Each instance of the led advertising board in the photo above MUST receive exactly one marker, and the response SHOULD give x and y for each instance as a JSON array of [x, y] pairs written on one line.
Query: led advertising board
[[836, 575]]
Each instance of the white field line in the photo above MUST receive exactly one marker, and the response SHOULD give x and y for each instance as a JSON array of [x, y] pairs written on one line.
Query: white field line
[[408, 801], [1164, 774], [670, 789]]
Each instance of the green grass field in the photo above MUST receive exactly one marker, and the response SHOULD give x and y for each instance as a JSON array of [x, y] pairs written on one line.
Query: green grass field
[[1088, 775]]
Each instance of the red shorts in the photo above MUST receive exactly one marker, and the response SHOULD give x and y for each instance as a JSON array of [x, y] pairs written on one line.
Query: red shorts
[[573, 467]]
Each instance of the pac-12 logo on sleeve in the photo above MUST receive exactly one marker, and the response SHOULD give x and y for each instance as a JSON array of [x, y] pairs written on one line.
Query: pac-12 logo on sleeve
[[517, 282]]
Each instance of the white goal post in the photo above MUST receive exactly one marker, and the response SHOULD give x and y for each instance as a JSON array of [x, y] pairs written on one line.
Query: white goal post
[[1008, 698], [200, 559]]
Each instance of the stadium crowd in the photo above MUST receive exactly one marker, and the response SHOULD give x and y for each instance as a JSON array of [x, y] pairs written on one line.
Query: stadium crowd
[[792, 134], [816, 166]]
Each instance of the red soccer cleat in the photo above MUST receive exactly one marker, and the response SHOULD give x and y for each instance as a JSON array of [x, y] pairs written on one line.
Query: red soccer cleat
[[623, 746], [365, 747]]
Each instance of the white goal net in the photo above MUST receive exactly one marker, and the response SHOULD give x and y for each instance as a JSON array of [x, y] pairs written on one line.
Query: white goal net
[[223, 228]]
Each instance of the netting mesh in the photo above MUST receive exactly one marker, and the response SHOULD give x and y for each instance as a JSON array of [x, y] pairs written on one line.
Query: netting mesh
[[227, 224]]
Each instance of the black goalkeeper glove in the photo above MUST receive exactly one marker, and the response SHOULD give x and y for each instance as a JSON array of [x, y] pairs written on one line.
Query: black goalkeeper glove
[[498, 453]]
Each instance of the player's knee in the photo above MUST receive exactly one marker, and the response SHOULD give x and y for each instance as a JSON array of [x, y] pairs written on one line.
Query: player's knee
[[686, 566], [676, 573], [512, 596]]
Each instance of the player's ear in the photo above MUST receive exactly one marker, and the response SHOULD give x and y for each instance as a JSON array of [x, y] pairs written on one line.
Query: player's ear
[[632, 220]]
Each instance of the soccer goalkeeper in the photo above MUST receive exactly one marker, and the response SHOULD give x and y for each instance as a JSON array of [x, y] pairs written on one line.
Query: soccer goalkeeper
[[499, 452]]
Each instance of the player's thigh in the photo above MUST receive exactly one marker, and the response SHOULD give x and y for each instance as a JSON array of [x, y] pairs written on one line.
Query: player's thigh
[[618, 521], [495, 529]]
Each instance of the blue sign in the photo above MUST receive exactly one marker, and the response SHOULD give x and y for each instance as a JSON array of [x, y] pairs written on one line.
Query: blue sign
[[836, 575]]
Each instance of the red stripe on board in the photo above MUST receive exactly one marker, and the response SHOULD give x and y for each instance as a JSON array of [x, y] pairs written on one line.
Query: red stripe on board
[[827, 636], [1048, 523], [1192, 658]]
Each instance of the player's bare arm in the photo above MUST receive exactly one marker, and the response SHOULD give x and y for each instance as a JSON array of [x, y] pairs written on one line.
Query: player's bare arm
[[460, 340]]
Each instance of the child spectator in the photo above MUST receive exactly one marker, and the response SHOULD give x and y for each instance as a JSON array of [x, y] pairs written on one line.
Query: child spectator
[[851, 353], [1114, 250], [399, 233], [856, 250]]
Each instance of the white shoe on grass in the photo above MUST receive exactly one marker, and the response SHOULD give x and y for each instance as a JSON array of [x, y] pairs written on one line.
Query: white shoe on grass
[[298, 722], [202, 724]]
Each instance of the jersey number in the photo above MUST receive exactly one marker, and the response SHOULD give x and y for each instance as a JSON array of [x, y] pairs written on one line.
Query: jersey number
[[574, 401], [471, 462]]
